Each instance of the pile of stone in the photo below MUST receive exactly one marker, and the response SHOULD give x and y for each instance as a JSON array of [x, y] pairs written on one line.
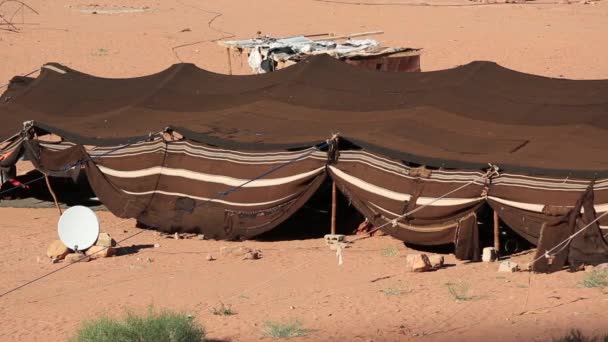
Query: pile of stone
[[104, 247]]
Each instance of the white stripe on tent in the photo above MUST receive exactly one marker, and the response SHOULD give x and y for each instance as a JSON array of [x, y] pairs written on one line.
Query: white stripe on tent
[[538, 208], [54, 68], [397, 196], [229, 181], [236, 204]]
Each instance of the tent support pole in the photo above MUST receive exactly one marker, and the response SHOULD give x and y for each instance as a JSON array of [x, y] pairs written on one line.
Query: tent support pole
[[48, 185], [229, 61], [333, 208], [496, 232]]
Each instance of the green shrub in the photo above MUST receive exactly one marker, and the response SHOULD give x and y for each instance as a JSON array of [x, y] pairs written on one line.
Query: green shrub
[[460, 292], [154, 326], [223, 310], [389, 251], [596, 279], [284, 330], [577, 336]]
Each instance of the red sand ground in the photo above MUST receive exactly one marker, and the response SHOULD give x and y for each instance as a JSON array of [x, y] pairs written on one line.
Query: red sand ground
[[295, 279]]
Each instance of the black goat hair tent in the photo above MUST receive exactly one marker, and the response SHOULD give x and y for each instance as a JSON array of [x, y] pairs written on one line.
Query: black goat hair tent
[[178, 149]]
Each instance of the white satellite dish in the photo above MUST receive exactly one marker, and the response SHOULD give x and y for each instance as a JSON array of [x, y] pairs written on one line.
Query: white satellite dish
[[78, 228]]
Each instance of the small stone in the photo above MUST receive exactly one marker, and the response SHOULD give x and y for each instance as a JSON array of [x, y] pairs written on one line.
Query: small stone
[[201, 236], [292, 307], [176, 236], [436, 261], [76, 257], [157, 245], [508, 266], [210, 257], [253, 255], [96, 252], [489, 254], [234, 251], [417, 263], [105, 240], [57, 250], [148, 259]]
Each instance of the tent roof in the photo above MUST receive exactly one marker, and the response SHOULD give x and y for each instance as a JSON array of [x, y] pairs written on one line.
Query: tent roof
[[463, 117]]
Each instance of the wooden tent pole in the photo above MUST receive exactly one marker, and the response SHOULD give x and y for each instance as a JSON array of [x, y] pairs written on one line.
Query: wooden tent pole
[[349, 36], [333, 208], [229, 61], [496, 232], [48, 185]]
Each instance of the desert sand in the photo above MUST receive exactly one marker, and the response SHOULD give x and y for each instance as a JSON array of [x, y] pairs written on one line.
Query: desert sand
[[368, 298]]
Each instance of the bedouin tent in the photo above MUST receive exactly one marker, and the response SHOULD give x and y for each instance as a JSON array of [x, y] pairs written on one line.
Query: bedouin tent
[[416, 153]]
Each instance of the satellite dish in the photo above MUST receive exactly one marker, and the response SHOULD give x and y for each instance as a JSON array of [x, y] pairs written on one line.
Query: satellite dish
[[78, 228]]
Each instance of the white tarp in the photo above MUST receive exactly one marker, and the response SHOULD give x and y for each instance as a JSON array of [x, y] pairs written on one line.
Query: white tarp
[[285, 49]]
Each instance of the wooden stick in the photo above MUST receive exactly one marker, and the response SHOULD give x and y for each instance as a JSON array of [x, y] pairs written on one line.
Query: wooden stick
[[229, 61], [316, 35], [333, 208], [48, 184], [496, 232], [362, 34]]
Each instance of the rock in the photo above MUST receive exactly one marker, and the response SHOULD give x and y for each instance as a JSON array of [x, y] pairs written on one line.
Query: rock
[[104, 240], [96, 252], [176, 236], [489, 254], [417, 263], [57, 250], [201, 236], [234, 251], [436, 261], [253, 255], [508, 266], [210, 257], [157, 245], [76, 257]]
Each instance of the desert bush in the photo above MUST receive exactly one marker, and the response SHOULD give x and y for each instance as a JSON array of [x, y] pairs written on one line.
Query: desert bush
[[577, 336], [223, 310], [284, 330], [596, 279], [164, 326]]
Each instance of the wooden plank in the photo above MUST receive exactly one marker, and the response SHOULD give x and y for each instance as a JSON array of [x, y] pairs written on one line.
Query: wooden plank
[[229, 61]]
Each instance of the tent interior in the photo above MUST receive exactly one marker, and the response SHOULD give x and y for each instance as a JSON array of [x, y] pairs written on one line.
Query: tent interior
[[427, 157]]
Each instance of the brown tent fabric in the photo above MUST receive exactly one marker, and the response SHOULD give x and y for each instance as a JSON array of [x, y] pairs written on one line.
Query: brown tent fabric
[[384, 190], [588, 247], [407, 140], [178, 185], [464, 117]]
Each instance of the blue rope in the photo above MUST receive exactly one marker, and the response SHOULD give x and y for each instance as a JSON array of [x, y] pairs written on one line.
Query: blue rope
[[275, 169], [266, 173]]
